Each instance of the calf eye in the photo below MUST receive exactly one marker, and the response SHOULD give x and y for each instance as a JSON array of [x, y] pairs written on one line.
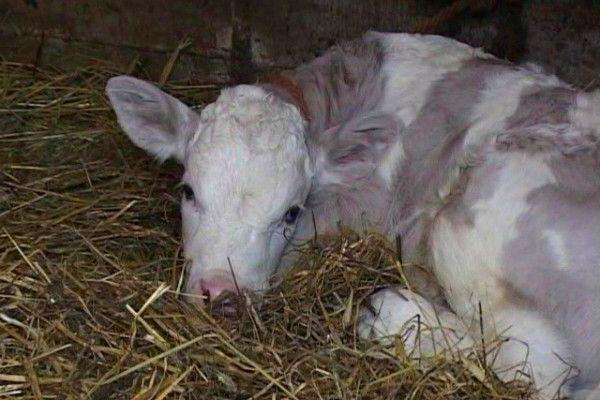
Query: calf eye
[[188, 192], [291, 214]]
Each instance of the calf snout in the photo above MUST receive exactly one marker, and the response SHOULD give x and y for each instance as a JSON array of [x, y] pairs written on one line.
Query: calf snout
[[217, 286], [219, 293]]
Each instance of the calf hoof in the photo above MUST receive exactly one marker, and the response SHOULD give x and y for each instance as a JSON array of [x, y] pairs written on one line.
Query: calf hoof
[[393, 312], [388, 313]]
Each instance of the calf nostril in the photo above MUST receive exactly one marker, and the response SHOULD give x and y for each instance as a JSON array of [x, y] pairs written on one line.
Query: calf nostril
[[220, 294], [216, 286], [206, 294], [226, 304]]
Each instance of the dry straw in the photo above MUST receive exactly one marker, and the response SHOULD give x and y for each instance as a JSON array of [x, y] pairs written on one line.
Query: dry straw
[[90, 267]]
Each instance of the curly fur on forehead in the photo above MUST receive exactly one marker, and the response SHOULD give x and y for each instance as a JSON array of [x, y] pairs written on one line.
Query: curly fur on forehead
[[250, 117]]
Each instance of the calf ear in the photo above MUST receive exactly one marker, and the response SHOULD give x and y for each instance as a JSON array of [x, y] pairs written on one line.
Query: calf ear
[[355, 149], [153, 120]]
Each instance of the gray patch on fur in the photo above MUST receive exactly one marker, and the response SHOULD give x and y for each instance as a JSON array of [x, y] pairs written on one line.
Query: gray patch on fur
[[562, 138], [434, 148], [568, 295], [542, 106], [542, 123], [342, 84], [343, 90]]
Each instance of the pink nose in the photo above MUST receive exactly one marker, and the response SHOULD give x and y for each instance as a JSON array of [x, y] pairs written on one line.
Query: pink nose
[[215, 286], [207, 289]]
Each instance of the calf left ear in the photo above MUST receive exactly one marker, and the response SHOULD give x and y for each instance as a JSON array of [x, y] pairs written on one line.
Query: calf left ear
[[355, 149], [153, 120]]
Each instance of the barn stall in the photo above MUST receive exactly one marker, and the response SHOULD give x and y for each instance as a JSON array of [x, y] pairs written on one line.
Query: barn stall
[[91, 270]]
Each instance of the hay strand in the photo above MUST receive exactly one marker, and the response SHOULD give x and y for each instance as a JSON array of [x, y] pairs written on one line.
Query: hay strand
[[91, 272]]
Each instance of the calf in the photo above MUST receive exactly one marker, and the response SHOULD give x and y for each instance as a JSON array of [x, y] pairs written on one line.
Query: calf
[[487, 171]]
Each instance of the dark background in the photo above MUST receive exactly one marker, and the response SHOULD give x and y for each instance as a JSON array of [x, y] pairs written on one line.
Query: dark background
[[232, 40]]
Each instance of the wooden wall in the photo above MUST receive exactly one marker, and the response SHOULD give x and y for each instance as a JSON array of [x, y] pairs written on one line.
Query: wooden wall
[[232, 39]]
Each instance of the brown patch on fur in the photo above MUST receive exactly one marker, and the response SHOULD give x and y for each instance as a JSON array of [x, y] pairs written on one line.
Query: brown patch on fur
[[423, 282], [291, 87], [511, 295]]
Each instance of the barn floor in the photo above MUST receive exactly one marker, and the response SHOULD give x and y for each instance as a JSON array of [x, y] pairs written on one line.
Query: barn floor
[[91, 268]]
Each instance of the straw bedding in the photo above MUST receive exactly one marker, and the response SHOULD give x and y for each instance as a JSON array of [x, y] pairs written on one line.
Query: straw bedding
[[91, 272]]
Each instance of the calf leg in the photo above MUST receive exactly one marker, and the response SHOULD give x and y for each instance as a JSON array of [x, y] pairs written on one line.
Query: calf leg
[[533, 348], [425, 330]]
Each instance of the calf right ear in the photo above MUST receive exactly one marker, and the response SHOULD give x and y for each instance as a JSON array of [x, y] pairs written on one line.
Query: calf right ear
[[153, 120]]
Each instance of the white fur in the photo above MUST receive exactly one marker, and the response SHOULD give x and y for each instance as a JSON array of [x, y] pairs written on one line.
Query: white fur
[[247, 163], [412, 65], [467, 262], [499, 101], [467, 258], [559, 248], [139, 104], [586, 112], [534, 349], [425, 332], [587, 394], [388, 167], [245, 159]]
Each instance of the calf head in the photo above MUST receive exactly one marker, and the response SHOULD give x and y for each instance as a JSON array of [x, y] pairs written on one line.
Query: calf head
[[247, 176]]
